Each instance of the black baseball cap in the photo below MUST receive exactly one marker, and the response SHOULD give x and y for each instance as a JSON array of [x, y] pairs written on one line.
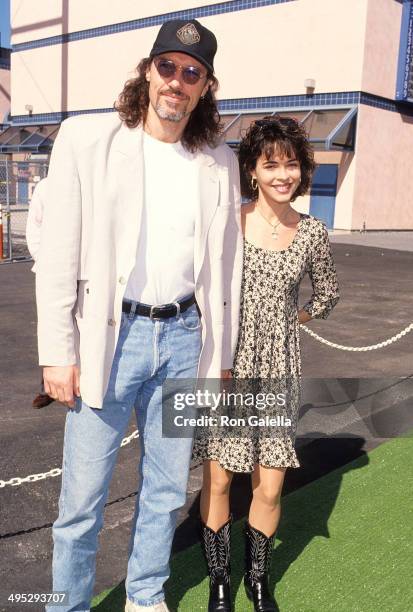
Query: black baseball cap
[[187, 36]]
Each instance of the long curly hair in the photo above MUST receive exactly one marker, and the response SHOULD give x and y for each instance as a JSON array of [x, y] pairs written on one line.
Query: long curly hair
[[204, 126], [285, 135]]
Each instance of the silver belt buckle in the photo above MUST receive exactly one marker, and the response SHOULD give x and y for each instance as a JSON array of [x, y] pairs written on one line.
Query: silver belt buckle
[[151, 315], [178, 309]]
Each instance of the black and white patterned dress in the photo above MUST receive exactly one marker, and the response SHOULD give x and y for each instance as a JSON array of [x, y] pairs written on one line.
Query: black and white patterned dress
[[269, 340]]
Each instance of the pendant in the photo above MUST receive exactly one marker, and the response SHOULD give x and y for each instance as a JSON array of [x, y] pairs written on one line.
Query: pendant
[[274, 234]]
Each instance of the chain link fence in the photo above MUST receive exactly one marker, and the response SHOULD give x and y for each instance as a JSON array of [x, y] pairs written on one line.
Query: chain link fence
[[17, 182]]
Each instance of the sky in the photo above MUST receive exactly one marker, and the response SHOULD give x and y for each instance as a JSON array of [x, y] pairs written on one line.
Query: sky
[[5, 22]]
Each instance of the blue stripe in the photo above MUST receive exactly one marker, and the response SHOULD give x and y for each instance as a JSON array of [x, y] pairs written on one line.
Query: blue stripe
[[294, 102], [148, 22], [404, 67], [323, 190], [45, 118]]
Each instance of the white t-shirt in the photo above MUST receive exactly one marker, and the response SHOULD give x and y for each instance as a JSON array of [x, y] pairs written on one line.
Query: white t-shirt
[[164, 270]]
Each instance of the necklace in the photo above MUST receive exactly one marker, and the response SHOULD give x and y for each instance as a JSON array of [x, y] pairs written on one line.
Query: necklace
[[274, 226]]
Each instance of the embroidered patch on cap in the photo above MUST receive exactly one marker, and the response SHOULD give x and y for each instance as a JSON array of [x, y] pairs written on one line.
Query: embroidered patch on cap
[[188, 34]]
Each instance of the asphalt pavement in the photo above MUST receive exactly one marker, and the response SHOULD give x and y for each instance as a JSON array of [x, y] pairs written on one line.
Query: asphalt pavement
[[353, 401]]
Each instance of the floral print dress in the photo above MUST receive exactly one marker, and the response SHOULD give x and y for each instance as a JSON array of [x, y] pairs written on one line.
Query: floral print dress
[[269, 339]]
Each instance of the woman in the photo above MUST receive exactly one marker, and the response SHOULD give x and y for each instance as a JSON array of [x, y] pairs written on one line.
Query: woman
[[280, 247]]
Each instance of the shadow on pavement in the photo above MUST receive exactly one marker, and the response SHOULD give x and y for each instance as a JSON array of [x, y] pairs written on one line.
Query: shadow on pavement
[[318, 458]]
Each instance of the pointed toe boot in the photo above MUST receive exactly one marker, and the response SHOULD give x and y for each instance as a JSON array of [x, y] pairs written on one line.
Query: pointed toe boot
[[217, 550], [258, 551]]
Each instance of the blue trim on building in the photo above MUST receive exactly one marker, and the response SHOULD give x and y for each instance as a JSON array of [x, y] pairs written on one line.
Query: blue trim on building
[[148, 22], [297, 102], [344, 98], [294, 101], [405, 61], [386, 103], [45, 118]]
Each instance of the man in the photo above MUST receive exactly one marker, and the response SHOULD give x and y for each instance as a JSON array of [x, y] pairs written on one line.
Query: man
[[141, 211], [33, 226]]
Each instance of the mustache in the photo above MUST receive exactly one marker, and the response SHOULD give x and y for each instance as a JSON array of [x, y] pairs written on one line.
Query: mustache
[[174, 92]]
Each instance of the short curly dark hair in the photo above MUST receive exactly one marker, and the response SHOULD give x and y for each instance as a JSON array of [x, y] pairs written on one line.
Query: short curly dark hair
[[285, 135], [204, 126]]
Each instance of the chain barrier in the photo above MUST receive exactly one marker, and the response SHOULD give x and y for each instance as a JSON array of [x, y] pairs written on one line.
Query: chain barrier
[[14, 482], [133, 435], [372, 347]]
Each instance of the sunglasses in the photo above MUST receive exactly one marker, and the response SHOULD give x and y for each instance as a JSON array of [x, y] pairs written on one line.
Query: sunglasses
[[167, 69]]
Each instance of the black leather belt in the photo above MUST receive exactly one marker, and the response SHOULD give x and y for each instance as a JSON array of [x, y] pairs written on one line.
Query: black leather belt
[[165, 311]]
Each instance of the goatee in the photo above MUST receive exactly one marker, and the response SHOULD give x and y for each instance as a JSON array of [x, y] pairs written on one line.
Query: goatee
[[164, 113]]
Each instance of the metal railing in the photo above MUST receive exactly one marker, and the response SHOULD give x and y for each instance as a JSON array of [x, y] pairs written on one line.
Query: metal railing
[[17, 182]]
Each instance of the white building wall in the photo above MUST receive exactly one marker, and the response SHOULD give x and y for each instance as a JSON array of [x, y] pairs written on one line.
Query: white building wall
[[349, 45], [33, 20], [383, 186], [4, 93], [267, 51], [381, 51]]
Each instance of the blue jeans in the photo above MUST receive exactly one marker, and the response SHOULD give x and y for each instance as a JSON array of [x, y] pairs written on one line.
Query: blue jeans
[[148, 352]]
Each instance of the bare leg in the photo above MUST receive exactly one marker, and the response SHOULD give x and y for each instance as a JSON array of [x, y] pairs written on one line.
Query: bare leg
[[265, 510], [216, 534], [215, 495]]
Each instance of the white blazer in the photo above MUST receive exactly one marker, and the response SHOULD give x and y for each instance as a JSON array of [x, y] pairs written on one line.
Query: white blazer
[[89, 236], [34, 219]]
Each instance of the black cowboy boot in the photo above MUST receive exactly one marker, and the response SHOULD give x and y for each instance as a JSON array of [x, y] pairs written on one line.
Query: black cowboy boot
[[258, 550], [217, 549]]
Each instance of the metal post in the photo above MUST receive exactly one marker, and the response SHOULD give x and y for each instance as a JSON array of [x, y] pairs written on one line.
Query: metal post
[[8, 213]]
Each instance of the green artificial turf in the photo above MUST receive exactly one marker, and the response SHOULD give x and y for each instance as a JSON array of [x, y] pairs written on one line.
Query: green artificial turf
[[344, 543]]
